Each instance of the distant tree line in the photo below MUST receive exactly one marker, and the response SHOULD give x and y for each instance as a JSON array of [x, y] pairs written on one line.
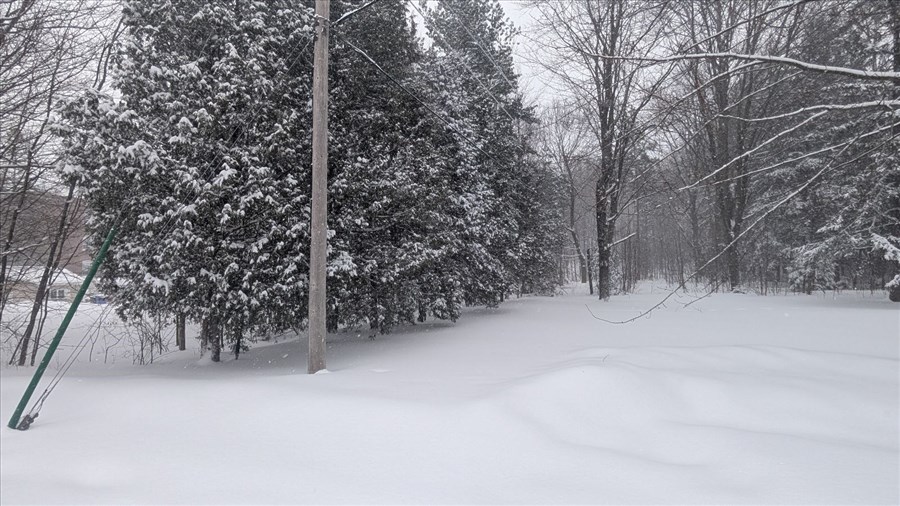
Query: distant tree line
[[732, 144], [739, 144]]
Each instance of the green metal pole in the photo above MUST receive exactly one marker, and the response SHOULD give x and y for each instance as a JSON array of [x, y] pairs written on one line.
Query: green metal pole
[[14, 421]]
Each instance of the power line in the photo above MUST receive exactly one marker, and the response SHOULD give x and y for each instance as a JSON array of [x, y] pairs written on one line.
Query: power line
[[477, 42], [467, 67], [417, 99], [354, 11]]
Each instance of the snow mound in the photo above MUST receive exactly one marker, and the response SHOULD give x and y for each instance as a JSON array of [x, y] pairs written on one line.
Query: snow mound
[[737, 400]]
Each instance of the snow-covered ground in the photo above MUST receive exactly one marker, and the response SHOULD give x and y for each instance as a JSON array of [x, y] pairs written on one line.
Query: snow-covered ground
[[733, 399]]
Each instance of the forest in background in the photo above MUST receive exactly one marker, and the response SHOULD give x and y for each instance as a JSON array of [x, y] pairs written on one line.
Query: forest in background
[[735, 145], [748, 145]]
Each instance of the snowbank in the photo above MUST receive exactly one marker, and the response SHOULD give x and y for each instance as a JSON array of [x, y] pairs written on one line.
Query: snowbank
[[733, 399]]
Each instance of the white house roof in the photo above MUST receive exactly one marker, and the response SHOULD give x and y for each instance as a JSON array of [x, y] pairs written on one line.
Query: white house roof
[[22, 274]]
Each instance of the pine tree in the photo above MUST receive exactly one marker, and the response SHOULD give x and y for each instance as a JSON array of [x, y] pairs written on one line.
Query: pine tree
[[832, 232], [473, 47], [203, 162], [199, 164]]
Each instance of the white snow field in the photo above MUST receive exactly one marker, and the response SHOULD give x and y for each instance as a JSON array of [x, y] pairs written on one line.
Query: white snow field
[[733, 399]]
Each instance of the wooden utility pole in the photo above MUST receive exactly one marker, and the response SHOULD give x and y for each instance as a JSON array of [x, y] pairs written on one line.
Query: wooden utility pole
[[319, 226]]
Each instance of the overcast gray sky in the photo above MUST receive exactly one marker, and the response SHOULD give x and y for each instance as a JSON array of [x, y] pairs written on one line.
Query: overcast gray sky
[[534, 82]]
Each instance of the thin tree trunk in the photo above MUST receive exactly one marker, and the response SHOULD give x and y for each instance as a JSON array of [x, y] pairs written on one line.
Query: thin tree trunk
[[582, 267], [238, 340], [40, 329], [204, 335], [734, 267], [604, 252], [7, 243], [180, 331], [423, 312], [50, 266], [590, 272], [215, 340]]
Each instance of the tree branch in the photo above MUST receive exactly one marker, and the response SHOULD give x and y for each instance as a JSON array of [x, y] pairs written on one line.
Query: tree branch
[[812, 67]]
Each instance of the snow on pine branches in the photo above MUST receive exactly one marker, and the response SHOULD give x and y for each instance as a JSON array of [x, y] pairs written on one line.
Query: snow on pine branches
[[203, 158]]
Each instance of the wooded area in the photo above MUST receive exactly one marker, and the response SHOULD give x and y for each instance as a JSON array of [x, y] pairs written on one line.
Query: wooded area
[[739, 145]]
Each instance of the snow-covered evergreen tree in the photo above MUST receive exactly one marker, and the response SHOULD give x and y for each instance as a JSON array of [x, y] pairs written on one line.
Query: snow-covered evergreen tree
[[479, 88], [849, 156], [201, 164], [202, 159]]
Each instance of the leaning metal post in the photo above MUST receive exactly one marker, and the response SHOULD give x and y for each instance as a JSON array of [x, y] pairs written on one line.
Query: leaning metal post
[[17, 414]]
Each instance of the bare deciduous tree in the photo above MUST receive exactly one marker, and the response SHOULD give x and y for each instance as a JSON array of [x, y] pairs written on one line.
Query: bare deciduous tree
[[612, 93], [48, 51]]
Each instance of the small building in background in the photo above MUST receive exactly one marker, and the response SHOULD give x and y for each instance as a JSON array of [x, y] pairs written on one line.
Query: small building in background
[[22, 283], [38, 236]]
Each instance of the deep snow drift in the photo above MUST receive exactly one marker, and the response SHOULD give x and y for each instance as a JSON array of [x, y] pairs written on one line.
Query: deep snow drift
[[733, 399]]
